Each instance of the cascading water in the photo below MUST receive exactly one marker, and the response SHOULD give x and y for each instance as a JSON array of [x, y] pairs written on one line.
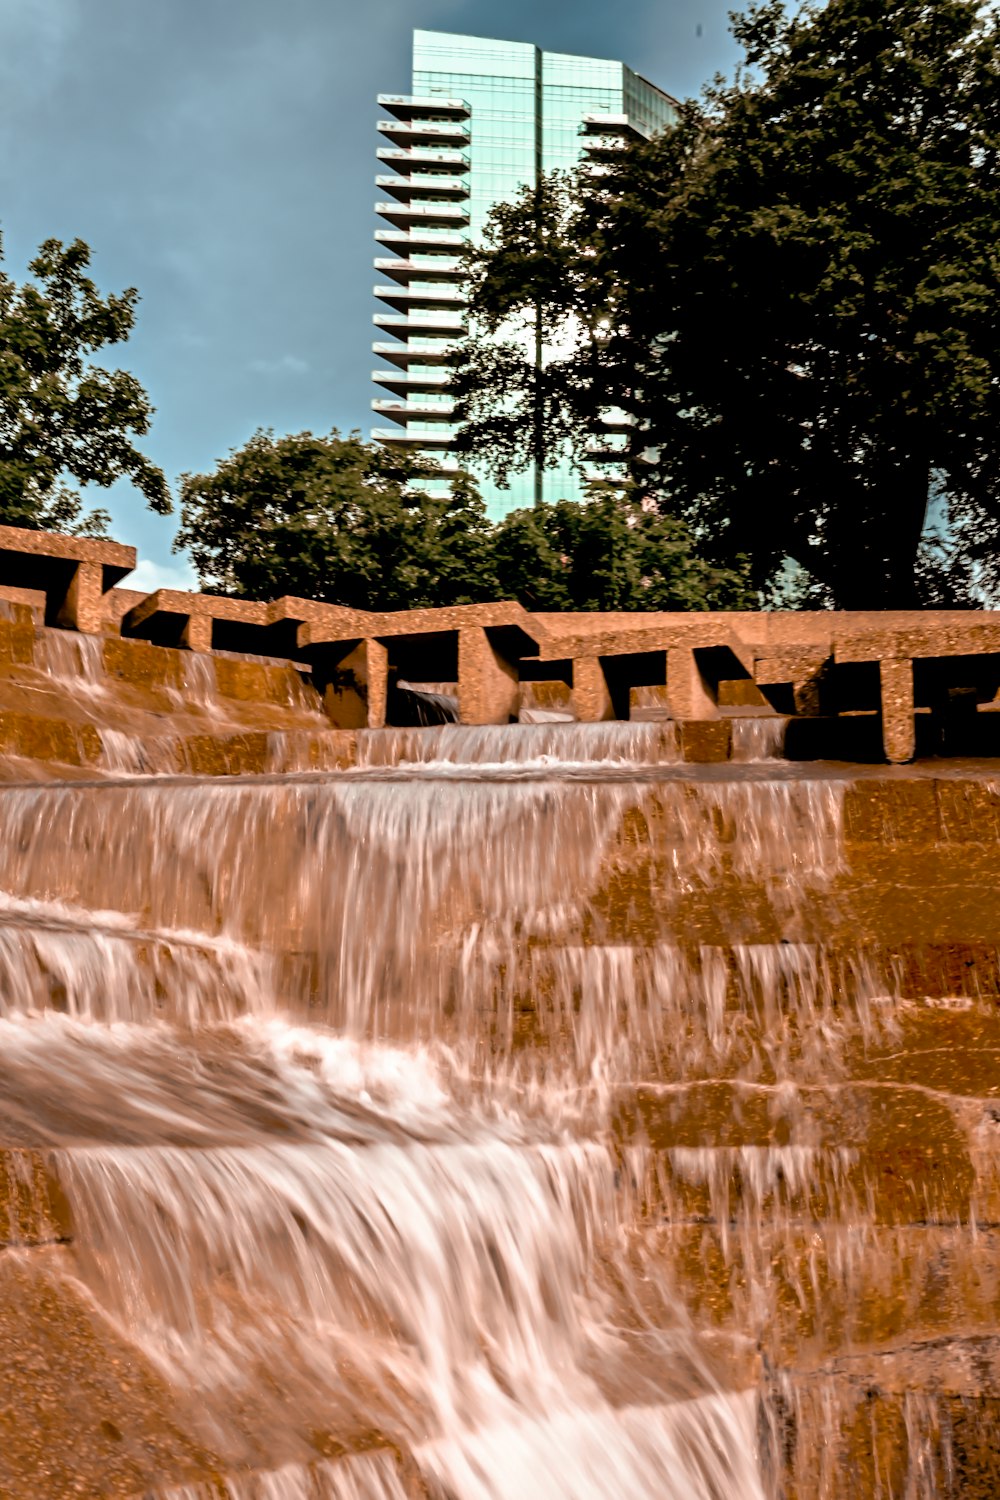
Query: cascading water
[[386, 1115]]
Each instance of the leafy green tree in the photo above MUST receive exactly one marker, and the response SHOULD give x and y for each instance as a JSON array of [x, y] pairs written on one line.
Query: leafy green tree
[[336, 519], [795, 295], [60, 414], [610, 552]]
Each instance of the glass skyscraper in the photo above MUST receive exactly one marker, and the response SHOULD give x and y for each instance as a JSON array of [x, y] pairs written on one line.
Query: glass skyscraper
[[483, 120]]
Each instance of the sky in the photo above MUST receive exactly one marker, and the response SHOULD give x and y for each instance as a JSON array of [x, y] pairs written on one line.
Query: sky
[[219, 155]]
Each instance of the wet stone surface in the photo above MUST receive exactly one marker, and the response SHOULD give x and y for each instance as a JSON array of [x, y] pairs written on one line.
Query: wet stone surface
[[439, 1112]]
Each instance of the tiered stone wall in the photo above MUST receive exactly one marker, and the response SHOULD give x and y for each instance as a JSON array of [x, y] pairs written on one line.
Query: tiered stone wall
[[925, 681]]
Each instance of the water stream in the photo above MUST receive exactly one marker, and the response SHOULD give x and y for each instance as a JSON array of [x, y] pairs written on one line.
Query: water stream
[[349, 1081]]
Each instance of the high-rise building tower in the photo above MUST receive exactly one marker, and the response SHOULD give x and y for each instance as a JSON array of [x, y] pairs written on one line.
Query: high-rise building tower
[[485, 118]]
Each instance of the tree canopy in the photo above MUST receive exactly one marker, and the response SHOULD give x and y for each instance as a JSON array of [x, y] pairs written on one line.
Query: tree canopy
[[337, 519], [610, 552], [794, 294], [59, 413]]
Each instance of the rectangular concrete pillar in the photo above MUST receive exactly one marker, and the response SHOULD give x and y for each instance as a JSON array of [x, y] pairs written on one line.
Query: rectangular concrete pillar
[[376, 682], [488, 688], [83, 607], [356, 688], [688, 694], [898, 723], [197, 633], [591, 695]]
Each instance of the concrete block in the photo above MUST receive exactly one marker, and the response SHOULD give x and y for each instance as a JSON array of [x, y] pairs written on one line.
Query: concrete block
[[488, 688], [898, 731], [689, 694], [591, 695], [83, 607], [706, 741], [356, 690]]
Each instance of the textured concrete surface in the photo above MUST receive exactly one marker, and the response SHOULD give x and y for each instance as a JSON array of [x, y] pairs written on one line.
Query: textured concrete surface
[[825, 667], [74, 573]]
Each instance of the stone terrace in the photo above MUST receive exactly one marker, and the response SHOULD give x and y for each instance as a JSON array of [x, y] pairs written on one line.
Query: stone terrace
[[858, 686]]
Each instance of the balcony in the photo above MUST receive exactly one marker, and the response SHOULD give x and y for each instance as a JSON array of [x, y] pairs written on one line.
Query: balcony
[[403, 298], [442, 352], [423, 106], [420, 322], [415, 156], [421, 237], [425, 132], [404, 411], [444, 268], [405, 381], [417, 441], [433, 185], [609, 121], [403, 215], [604, 145]]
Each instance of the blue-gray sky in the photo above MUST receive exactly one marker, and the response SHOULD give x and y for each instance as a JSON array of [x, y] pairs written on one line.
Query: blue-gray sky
[[219, 156]]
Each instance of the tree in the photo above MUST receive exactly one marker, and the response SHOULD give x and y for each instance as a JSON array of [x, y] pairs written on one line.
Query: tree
[[60, 414], [610, 552], [335, 519], [795, 295]]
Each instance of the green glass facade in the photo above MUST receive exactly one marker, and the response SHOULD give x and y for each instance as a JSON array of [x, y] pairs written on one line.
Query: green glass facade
[[484, 119]]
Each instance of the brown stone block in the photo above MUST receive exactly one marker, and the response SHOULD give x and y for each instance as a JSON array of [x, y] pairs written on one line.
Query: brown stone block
[[33, 1206], [944, 1043], [141, 664], [901, 896], [898, 729], [550, 694], [969, 809], [345, 686], [809, 1291], [256, 682], [690, 694], [716, 1112], [82, 607], [226, 755], [82, 1413], [943, 971], [847, 1438], [45, 739], [740, 692], [879, 811], [706, 741], [890, 1156], [24, 605], [17, 639], [254, 753]]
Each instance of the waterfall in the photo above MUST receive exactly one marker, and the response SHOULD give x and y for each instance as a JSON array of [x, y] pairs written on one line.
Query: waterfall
[[478, 1121]]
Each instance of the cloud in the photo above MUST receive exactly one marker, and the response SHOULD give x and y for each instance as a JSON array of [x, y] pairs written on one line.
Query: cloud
[[285, 364], [150, 576]]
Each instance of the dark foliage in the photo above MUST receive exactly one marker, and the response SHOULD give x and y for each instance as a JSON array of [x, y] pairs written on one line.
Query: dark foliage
[[337, 519], [333, 518], [610, 553], [795, 293], [59, 414]]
